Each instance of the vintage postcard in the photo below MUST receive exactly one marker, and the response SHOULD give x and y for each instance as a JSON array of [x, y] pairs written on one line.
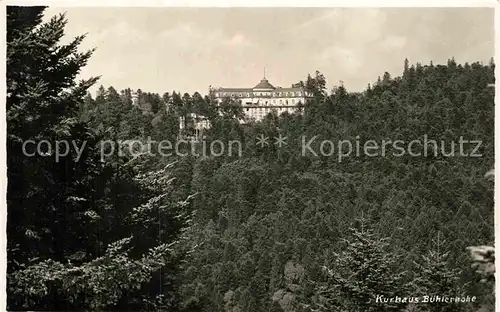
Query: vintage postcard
[[247, 159]]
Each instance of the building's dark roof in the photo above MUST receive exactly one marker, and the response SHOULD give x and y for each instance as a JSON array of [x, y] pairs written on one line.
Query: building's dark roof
[[234, 89], [251, 90], [264, 84]]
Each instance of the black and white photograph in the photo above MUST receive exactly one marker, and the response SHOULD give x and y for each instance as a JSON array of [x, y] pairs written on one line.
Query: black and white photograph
[[240, 158]]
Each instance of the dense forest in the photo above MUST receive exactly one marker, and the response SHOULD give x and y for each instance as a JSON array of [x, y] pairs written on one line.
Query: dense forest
[[268, 230]]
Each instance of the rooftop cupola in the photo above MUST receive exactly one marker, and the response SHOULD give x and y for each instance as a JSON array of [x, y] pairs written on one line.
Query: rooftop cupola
[[264, 85]]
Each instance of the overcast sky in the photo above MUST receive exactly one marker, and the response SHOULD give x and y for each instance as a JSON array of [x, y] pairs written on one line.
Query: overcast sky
[[165, 49]]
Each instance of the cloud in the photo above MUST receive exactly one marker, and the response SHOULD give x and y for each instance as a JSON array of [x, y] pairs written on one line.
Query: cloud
[[394, 42], [127, 33], [194, 38], [238, 40], [334, 16], [346, 59], [189, 36]]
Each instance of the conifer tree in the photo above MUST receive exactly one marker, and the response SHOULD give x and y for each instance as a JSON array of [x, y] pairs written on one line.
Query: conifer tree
[[435, 277], [84, 233], [364, 270], [47, 193]]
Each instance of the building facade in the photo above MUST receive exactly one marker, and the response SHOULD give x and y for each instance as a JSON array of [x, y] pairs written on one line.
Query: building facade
[[256, 102], [260, 100], [198, 122]]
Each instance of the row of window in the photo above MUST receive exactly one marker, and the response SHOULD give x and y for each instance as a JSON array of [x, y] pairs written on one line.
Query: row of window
[[281, 102], [265, 110], [248, 94]]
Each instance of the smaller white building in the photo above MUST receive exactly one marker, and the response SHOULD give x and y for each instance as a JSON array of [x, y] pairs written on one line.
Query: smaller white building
[[196, 122]]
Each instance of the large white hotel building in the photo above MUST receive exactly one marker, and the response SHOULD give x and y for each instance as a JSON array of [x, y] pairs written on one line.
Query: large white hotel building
[[258, 101]]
